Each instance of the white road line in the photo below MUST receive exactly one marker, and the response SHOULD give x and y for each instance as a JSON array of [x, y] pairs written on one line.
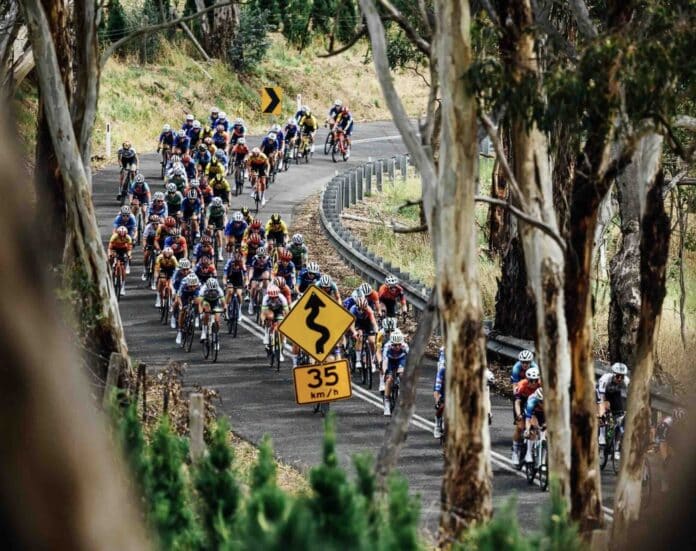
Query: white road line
[[379, 139], [427, 425]]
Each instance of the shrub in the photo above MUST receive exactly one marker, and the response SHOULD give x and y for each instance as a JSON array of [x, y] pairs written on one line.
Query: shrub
[[251, 42]]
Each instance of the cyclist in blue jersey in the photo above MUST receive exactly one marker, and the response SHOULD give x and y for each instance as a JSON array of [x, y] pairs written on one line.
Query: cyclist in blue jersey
[[188, 123], [394, 355], [189, 291], [125, 218], [525, 360], [439, 393], [292, 132], [533, 416], [326, 284], [166, 138], [158, 206], [285, 268], [260, 275], [308, 276], [191, 211], [235, 231], [182, 142]]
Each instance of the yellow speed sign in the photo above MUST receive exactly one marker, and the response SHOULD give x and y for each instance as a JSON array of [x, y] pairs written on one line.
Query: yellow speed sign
[[322, 382]]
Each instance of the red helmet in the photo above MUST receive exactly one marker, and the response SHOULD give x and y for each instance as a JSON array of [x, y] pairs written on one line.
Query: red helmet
[[122, 231], [273, 291], [256, 224], [280, 282], [186, 158], [344, 110], [170, 222], [255, 238], [285, 255]]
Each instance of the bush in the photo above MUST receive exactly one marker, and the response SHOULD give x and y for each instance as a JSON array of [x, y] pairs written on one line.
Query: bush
[[116, 26], [251, 42]]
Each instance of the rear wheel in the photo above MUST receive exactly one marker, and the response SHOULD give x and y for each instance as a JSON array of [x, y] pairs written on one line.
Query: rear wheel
[[530, 472], [394, 397], [327, 144], [233, 316], [334, 153], [215, 341], [543, 467], [164, 309]]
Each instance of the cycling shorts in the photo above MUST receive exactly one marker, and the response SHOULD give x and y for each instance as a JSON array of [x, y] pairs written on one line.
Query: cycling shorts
[[167, 273], [390, 305], [218, 222], [236, 280], [214, 304], [365, 326], [259, 170]]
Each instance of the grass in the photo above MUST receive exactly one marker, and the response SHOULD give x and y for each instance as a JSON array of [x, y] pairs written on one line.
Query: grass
[[137, 100]]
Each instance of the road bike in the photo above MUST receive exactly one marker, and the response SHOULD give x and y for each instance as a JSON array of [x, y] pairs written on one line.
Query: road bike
[[394, 396], [340, 147], [256, 180], [211, 343], [165, 303], [137, 210], [275, 346], [305, 148], [149, 266], [539, 466], [118, 274], [238, 178], [614, 422], [288, 150], [166, 153], [233, 314], [130, 170], [366, 359], [188, 329], [329, 142]]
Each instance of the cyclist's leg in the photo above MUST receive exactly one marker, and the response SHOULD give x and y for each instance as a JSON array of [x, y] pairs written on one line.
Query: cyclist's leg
[[204, 311]]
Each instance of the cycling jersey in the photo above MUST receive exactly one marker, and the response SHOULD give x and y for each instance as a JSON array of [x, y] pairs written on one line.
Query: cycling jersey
[[249, 250], [202, 158], [177, 279], [308, 123], [277, 232], [224, 122], [207, 194], [299, 254], [128, 154], [221, 139], [221, 156], [194, 136], [439, 385], [237, 131], [205, 273], [158, 209], [187, 126], [234, 272], [173, 201], [331, 291], [279, 305], [149, 235], [236, 230], [257, 162], [268, 146], [395, 358], [306, 279], [534, 408], [129, 222], [239, 153], [612, 391], [345, 122], [141, 191], [186, 294], [190, 169], [280, 139], [261, 232], [215, 167], [389, 295], [286, 270], [120, 244], [183, 143], [221, 188], [178, 245], [519, 371], [291, 130], [524, 390], [190, 207], [259, 267], [201, 250], [334, 111], [166, 138], [166, 266], [212, 296], [364, 319]]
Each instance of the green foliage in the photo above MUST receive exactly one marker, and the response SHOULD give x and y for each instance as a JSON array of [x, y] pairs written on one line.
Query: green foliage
[[130, 435], [251, 42], [273, 11], [116, 25], [217, 488]]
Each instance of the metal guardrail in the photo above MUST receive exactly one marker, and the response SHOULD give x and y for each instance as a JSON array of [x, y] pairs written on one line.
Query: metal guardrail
[[351, 186]]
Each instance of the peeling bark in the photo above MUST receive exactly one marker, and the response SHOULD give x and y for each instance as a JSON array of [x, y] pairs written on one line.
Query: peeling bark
[[654, 253]]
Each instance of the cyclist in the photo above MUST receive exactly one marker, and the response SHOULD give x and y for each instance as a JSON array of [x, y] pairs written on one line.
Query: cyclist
[[221, 138], [237, 131], [125, 218], [189, 167], [395, 354], [195, 134], [189, 291], [277, 230], [284, 268], [333, 113], [158, 206], [207, 193], [665, 435], [260, 275], [234, 276], [120, 246], [149, 236], [344, 121], [205, 269], [299, 251], [202, 159], [382, 337], [372, 296], [182, 143], [524, 390], [128, 159], [177, 176], [191, 212], [140, 190], [222, 120], [280, 141], [165, 230], [439, 392], [221, 187], [214, 116], [269, 147], [177, 242], [217, 220], [307, 277], [235, 231], [366, 323], [301, 113], [166, 139], [285, 290], [389, 293], [525, 360], [250, 246], [533, 417], [173, 199], [292, 133], [238, 154], [214, 167], [246, 213], [274, 308], [212, 300], [326, 284], [609, 389], [259, 164], [308, 127], [165, 266], [221, 156], [204, 248], [188, 123]]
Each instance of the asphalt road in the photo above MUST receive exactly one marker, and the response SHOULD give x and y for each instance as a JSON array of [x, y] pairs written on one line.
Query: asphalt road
[[260, 401]]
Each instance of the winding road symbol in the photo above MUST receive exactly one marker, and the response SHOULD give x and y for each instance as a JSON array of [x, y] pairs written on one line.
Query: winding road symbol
[[314, 305]]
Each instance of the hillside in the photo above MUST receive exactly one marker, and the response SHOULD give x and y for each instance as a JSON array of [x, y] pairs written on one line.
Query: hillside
[[137, 100]]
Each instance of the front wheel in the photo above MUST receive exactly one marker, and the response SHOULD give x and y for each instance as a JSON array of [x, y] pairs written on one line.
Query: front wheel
[[334, 153], [544, 467], [327, 144], [215, 341], [530, 472]]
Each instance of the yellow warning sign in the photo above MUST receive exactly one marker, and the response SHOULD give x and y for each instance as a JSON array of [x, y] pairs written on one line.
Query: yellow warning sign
[[271, 99], [316, 323], [322, 382]]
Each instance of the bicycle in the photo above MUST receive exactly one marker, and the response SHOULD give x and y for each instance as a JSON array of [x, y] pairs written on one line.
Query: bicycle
[[539, 466], [340, 146], [188, 329], [165, 160], [305, 148], [165, 304], [329, 142], [128, 179], [394, 396], [118, 275], [238, 179], [613, 438], [211, 343], [137, 208], [233, 315], [286, 155], [255, 180], [366, 359], [275, 347], [150, 267]]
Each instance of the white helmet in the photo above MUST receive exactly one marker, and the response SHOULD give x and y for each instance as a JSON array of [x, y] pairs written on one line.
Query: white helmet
[[532, 374], [241, 141], [191, 280], [184, 264], [391, 280], [619, 369], [325, 280], [189, 117], [238, 122], [389, 324], [539, 394], [297, 239], [238, 217], [139, 178], [292, 121], [166, 128], [397, 337], [271, 135], [525, 356], [338, 102], [171, 188], [195, 183], [214, 110], [158, 196], [217, 201], [125, 209], [365, 288], [223, 115], [211, 284], [313, 268], [182, 133], [275, 128], [196, 124]]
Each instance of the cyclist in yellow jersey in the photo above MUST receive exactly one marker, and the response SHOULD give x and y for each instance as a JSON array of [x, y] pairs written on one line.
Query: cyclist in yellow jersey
[[277, 230], [308, 126], [165, 266], [259, 164]]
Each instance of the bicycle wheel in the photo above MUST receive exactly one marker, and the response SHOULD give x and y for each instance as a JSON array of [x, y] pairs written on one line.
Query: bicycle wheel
[[190, 333], [394, 396], [164, 309], [334, 153], [544, 467], [327, 144], [277, 346], [346, 153], [271, 351], [257, 201], [368, 370], [118, 282], [205, 347], [530, 471], [363, 361], [215, 341]]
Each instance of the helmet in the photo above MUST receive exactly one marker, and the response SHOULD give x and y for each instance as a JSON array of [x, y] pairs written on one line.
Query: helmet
[[256, 151], [313, 268], [292, 121], [205, 260], [176, 232], [539, 394], [532, 374], [256, 224], [191, 280], [244, 210], [305, 108], [337, 102], [153, 218], [272, 136], [217, 201], [186, 158], [285, 255], [261, 253], [182, 133], [139, 178], [325, 281], [397, 337], [391, 280], [344, 110], [273, 291], [525, 356], [223, 115], [125, 209], [241, 141], [126, 145], [174, 159], [280, 282], [275, 128], [275, 218], [211, 284], [171, 188], [361, 303], [206, 239], [365, 288], [220, 128], [297, 239], [619, 369], [122, 231], [238, 122], [255, 239], [238, 217], [170, 221], [202, 147], [168, 252], [184, 264], [196, 124], [219, 153], [189, 117], [166, 128], [195, 183], [214, 110], [389, 324], [208, 140], [193, 194], [158, 196]]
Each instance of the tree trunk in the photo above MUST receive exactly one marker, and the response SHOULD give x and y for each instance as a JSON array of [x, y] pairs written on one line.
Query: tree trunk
[[84, 255], [498, 217], [624, 307], [544, 258], [466, 486], [654, 253]]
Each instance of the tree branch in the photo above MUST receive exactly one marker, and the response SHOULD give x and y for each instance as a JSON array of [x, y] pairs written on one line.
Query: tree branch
[[418, 41], [108, 52], [398, 228], [582, 18], [362, 31], [686, 122], [543, 226]]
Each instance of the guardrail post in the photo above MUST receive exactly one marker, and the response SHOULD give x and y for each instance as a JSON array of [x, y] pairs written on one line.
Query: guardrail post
[[368, 178], [196, 425], [379, 172], [345, 192], [353, 188], [391, 164], [404, 167], [359, 176]]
